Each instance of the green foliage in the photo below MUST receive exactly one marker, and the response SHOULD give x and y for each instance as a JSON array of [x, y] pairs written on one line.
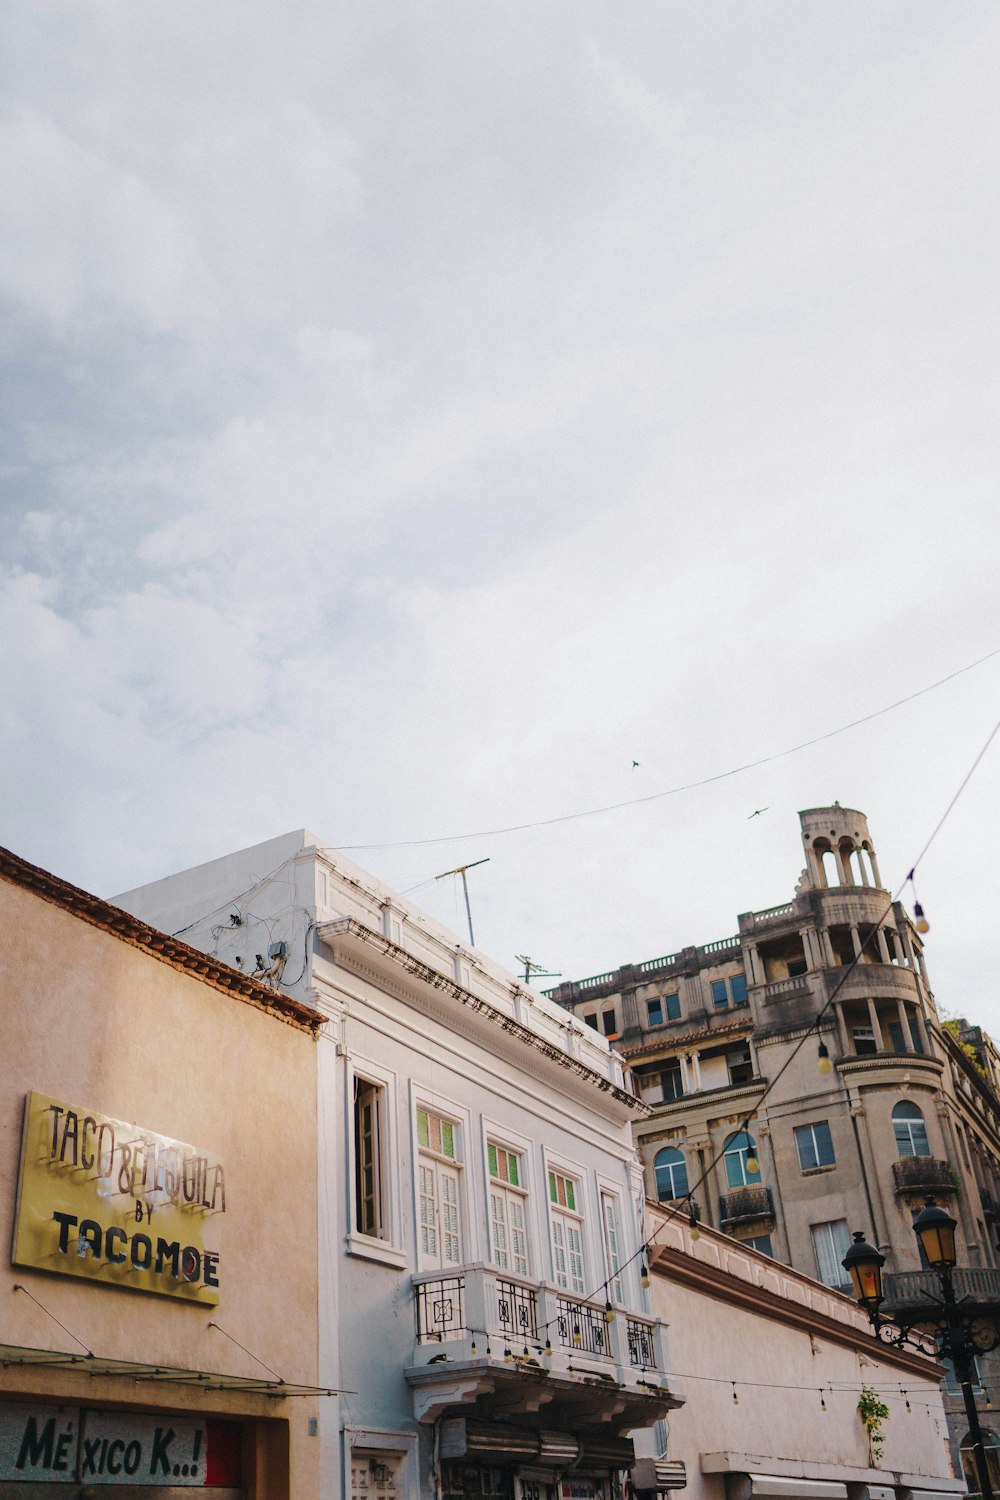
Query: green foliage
[[873, 1412]]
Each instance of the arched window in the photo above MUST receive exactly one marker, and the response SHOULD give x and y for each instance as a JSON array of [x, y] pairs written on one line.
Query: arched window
[[990, 1447], [911, 1132], [735, 1153], [671, 1173]]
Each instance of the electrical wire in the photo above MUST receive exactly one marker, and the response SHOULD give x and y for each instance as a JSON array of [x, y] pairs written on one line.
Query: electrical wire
[[751, 765], [670, 1212]]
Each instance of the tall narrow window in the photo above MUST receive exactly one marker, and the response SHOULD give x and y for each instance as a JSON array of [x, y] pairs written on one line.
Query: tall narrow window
[[672, 1005], [670, 1173], [910, 1130], [613, 1245], [508, 1206], [720, 994], [831, 1242], [369, 1206], [814, 1144], [438, 1192], [567, 1233], [739, 1148]]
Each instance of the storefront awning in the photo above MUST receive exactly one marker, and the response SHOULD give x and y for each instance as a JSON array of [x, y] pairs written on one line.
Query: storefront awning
[[15, 1356]]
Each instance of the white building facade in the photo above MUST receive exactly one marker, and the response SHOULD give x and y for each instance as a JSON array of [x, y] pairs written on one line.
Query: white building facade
[[480, 1203]]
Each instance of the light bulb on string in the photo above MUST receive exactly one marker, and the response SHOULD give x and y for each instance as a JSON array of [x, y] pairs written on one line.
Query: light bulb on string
[[577, 1337], [472, 1346], [822, 1399], [693, 1223], [508, 1357], [644, 1275], [548, 1347], [753, 1165], [736, 1399], [920, 922], [824, 1063], [609, 1312]]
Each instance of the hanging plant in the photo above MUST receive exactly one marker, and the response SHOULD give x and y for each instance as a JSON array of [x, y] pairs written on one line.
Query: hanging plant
[[873, 1412]]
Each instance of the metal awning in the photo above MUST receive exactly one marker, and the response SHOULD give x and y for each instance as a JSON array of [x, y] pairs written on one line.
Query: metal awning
[[15, 1356]]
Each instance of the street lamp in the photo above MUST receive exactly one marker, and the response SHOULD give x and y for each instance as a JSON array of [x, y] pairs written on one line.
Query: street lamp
[[960, 1329]]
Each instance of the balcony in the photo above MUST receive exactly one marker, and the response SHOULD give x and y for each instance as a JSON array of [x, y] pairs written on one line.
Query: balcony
[[479, 1331], [915, 1289], [922, 1174], [745, 1203]]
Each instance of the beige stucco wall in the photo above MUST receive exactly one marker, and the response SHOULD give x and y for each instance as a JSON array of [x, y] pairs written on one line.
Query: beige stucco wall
[[779, 1372], [88, 1018]]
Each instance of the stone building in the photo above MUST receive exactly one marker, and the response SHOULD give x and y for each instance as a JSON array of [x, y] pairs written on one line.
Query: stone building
[[777, 1417], [835, 975], [482, 1305]]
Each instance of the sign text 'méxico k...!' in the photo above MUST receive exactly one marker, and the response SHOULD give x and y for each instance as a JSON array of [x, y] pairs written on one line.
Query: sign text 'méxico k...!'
[[63, 1444], [107, 1201]]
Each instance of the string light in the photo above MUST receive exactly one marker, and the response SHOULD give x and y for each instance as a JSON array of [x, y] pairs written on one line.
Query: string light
[[822, 1399], [548, 1347], [920, 921], [753, 1165], [609, 1312], [508, 1357], [644, 1269], [824, 1063], [472, 1346], [736, 1399]]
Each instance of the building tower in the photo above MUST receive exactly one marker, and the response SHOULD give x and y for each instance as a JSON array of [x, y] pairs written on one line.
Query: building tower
[[722, 1041]]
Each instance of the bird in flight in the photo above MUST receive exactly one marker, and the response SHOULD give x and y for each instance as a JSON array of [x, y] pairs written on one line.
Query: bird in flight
[[634, 764], [758, 813]]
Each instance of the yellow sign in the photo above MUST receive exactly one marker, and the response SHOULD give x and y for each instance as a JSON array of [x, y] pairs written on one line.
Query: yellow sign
[[110, 1202]]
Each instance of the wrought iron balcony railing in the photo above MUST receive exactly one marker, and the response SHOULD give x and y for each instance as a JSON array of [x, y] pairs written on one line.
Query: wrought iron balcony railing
[[495, 1314], [750, 1202], [922, 1174]]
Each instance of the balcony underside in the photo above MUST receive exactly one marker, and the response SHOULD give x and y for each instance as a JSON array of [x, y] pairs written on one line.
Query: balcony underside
[[571, 1400]]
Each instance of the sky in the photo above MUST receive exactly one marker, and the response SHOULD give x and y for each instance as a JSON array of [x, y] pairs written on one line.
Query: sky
[[417, 413]]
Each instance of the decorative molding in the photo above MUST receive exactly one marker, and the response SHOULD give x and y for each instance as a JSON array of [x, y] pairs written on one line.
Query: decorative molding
[[346, 935]]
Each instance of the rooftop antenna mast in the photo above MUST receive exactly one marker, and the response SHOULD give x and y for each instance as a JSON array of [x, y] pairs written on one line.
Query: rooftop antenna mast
[[460, 870], [536, 971]]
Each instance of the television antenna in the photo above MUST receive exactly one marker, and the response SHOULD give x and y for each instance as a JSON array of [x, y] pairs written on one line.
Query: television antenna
[[460, 870], [532, 970]]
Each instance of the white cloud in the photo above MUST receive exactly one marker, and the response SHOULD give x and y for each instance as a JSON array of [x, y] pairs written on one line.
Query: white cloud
[[422, 414]]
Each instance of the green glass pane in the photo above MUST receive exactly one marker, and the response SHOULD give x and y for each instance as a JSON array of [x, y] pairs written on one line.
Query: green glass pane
[[512, 1169], [447, 1138], [491, 1153], [552, 1188], [570, 1195], [423, 1128]]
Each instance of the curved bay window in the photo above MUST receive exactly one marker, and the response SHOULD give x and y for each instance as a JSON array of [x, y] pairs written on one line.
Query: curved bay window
[[910, 1130], [737, 1152], [670, 1171]]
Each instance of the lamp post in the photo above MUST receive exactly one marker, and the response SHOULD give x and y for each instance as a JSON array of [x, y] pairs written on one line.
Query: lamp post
[[960, 1329]]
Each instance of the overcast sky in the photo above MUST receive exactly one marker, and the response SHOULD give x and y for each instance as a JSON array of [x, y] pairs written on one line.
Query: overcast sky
[[417, 412]]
